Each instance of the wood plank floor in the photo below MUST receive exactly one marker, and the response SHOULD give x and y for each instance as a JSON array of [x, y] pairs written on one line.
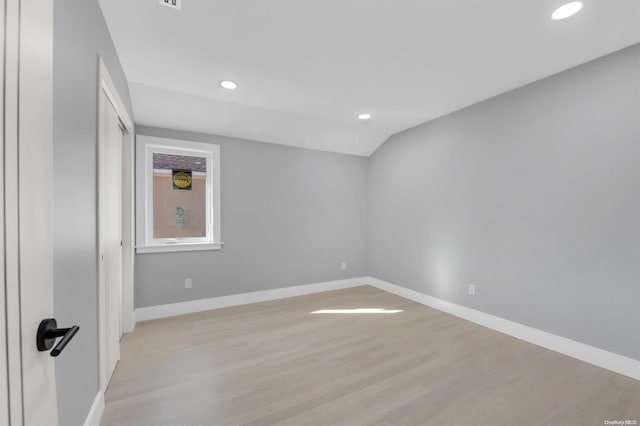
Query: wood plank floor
[[276, 363]]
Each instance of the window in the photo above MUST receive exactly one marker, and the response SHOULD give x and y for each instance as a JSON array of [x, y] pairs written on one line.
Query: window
[[178, 195]]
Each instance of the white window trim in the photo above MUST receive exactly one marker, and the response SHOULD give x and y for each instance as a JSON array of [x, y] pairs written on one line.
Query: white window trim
[[145, 146]]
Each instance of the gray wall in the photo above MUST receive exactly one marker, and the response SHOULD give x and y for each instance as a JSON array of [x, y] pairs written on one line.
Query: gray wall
[[80, 35], [533, 196], [290, 216]]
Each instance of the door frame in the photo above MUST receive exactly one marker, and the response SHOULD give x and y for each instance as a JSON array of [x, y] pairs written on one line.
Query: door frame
[[107, 87]]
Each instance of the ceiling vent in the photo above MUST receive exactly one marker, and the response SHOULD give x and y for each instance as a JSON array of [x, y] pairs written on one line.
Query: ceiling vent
[[173, 4]]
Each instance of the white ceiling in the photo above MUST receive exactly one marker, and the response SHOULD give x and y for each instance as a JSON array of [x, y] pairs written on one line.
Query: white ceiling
[[306, 69]]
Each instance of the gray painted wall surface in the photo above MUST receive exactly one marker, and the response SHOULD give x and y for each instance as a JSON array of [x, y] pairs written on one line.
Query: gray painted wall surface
[[290, 216], [80, 35], [533, 196]]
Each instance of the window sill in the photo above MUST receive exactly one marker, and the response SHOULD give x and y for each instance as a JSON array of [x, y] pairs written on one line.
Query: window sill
[[165, 248]]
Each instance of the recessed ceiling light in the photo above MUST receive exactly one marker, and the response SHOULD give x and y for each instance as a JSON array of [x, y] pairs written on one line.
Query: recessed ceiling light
[[567, 10], [364, 116], [230, 85]]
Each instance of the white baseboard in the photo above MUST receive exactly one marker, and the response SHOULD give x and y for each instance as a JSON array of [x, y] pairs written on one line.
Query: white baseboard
[[96, 411], [599, 357], [181, 308]]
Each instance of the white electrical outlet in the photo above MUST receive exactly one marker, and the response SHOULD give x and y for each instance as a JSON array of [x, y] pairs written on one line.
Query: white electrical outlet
[[343, 266], [174, 4], [472, 289], [187, 283]]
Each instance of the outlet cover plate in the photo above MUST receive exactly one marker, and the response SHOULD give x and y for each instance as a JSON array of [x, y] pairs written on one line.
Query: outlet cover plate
[[173, 4]]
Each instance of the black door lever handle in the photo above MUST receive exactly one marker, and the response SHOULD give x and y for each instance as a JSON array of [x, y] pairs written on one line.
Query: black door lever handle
[[48, 332]]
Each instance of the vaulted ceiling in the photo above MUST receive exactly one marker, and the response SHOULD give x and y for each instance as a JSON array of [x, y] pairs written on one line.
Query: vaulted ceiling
[[306, 69]]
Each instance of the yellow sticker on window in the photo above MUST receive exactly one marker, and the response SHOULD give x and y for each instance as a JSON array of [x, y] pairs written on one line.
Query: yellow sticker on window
[[182, 179]]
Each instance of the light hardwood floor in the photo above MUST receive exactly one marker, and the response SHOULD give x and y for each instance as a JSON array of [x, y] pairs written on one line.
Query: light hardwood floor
[[276, 363]]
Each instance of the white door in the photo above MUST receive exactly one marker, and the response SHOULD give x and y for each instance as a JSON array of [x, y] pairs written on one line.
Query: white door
[[4, 371], [111, 231], [29, 397]]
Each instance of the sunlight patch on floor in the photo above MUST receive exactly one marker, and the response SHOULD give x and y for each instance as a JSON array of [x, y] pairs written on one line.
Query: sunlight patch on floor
[[358, 311]]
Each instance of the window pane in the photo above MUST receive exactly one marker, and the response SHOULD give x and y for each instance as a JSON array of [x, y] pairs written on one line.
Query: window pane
[[179, 196]]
